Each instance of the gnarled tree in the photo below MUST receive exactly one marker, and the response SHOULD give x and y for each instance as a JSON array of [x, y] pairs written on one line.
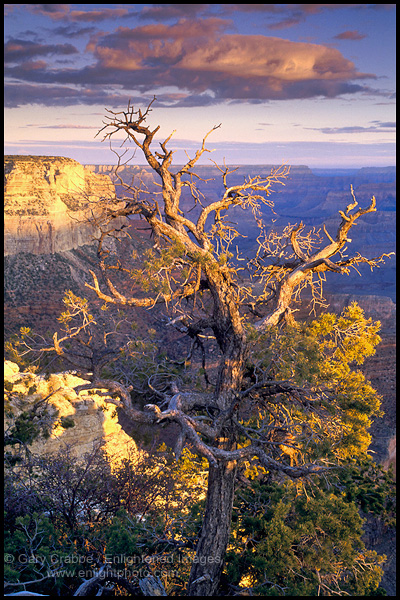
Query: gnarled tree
[[192, 261]]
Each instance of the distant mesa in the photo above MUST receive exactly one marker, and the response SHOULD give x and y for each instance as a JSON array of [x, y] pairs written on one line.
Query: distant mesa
[[46, 200]]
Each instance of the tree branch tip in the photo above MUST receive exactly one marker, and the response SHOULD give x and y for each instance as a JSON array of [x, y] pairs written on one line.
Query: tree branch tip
[[344, 217]]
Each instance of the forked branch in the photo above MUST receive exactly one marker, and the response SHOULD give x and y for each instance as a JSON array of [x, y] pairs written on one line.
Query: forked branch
[[291, 275]]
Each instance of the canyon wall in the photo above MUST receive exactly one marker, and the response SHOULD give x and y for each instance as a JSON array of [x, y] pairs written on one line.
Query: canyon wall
[[47, 201]]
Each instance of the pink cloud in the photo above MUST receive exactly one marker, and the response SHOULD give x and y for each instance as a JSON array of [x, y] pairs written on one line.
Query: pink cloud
[[55, 11], [94, 16], [259, 56], [197, 56], [350, 35]]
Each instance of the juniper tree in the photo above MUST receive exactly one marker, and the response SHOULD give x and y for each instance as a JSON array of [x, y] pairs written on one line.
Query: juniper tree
[[247, 403]]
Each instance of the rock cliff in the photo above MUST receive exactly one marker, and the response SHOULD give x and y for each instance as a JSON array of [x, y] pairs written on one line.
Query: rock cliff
[[79, 420], [46, 200]]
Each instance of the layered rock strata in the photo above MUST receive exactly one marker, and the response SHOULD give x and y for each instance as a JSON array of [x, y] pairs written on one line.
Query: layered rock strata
[[47, 202]]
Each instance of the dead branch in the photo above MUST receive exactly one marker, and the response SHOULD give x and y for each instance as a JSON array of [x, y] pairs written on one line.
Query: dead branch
[[292, 276]]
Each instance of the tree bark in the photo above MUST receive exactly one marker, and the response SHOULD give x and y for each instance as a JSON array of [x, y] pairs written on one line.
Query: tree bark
[[214, 536], [215, 532]]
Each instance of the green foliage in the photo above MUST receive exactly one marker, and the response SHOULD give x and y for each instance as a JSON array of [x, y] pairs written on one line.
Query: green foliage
[[67, 422], [152, 276], [36, 550], [284, 541], [322, 358], [24, 430], [371, 488], [292, 543], [14, 348], [24, 349], [75, 305], [121, 538]]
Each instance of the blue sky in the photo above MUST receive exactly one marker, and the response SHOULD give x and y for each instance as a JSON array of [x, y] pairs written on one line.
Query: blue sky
[[296, 83]]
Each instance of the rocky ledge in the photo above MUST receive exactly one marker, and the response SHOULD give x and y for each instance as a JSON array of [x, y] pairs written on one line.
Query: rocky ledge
[[46, 203], [80, 420]]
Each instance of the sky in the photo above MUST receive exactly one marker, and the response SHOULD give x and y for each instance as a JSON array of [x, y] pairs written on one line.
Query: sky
[[310, 84]]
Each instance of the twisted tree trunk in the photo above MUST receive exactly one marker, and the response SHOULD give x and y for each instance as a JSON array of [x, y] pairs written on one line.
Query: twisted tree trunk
[[214, 536], [215, 531]]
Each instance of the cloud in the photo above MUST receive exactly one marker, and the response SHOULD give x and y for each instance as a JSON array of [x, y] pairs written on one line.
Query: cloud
[[195, 56], [54, 11], [350, 35], [289, 15], [20, 94], [164, 12], [16, 50], [66, 126], [71, 30], [65, 12], [273, 58], [95, 16], [375, 127]]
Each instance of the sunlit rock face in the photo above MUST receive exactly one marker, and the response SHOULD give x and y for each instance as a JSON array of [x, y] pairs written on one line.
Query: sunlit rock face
[[46, 203], [91, 419]]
